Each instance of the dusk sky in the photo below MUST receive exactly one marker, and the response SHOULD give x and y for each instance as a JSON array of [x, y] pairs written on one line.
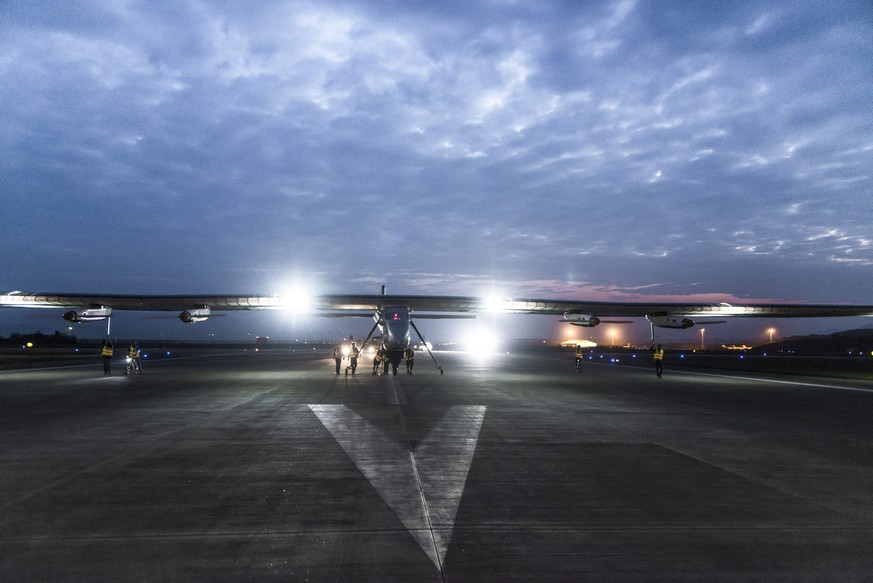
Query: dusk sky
[[581, 150]]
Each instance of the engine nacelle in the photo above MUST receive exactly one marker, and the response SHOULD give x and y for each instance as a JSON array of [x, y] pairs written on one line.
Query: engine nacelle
[[87, 314], [584, 320], [670, 321], [194, 316]]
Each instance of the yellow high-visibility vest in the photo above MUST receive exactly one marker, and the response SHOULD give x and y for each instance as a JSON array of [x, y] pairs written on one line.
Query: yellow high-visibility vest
[[107, 350], [659, 354]]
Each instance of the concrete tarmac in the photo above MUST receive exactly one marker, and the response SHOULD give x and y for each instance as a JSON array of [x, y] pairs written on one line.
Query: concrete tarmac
[[268, 466]]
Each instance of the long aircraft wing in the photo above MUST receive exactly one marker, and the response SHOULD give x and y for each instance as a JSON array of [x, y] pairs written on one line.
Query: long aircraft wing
[[328, 303], [349, 303]]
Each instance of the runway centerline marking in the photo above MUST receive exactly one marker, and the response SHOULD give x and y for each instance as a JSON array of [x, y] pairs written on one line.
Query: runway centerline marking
[[423, 487]]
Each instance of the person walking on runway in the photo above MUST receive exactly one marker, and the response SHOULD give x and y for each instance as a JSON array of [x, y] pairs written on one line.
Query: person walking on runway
[[409, 355], [659, 361], [338, 356]]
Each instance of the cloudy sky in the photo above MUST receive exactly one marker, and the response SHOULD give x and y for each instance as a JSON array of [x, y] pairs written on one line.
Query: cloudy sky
[[591, 150]]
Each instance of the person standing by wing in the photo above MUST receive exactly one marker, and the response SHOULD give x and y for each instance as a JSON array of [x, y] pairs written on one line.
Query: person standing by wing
[[106, 353], [659, 360], [578, 358]]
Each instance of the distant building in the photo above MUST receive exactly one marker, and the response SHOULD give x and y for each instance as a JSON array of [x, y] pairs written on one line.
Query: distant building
[[582, 343]]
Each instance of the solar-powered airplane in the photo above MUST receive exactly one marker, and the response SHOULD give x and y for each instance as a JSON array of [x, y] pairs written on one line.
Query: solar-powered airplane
[[394, 314]]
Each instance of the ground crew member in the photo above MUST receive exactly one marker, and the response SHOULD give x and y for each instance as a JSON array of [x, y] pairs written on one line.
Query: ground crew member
[[409, 355], [338, 356], [353, 357], [133, 354], [659, 359], [106, 353], [578, 358], [380, 354]]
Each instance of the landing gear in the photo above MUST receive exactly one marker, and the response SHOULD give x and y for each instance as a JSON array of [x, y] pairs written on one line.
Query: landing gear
[[426, 347]]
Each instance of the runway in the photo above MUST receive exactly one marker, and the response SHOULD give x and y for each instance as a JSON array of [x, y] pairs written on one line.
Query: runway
[[268, 466]]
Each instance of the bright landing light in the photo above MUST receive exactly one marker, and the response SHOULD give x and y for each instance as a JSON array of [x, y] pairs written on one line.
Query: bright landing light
[[493, 301], [482, 341], [297, 300], [493, 304]]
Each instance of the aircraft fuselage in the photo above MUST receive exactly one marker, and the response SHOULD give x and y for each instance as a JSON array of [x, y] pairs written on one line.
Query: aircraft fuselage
[[394, 323]]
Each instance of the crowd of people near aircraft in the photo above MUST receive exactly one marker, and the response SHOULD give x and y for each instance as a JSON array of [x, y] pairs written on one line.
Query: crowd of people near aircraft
[[352, 352]]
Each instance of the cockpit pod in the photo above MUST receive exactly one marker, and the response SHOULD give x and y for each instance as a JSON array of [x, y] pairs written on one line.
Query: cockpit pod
[[395, 327]]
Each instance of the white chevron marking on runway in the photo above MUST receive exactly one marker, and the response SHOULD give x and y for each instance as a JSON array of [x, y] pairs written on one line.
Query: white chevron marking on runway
[[422, 487]]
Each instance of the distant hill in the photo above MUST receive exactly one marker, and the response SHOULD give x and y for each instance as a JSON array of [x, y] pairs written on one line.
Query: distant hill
[[858, 341]]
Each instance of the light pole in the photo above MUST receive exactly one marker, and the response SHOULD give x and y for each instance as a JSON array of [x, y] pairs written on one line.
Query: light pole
[[702, 330], [770, 332]]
